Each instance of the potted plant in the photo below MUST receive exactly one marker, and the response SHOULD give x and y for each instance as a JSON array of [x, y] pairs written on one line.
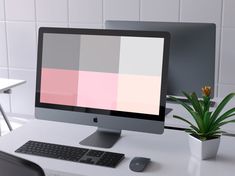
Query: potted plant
[[205, 131]]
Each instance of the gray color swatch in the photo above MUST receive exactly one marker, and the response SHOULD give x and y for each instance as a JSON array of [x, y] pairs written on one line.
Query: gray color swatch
[[61, 51], [99, 53]]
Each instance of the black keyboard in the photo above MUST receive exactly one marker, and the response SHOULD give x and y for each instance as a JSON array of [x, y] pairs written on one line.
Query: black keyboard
[[68, 153]]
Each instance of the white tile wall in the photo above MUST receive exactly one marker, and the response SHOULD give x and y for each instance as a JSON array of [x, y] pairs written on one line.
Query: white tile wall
[[3, 72], [21, 44], [92, 26], [201, 11], [2, 16], [229, 13], [85, 11], [52, 10], [3, 46], [159, 10], [23, 10], [18, 44], [22, 97], [227, 63], [47, 24], [121, 10], [225, 89]]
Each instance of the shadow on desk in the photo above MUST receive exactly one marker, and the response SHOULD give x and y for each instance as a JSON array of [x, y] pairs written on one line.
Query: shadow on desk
[[153, 167], [203, 167], [225, 159]]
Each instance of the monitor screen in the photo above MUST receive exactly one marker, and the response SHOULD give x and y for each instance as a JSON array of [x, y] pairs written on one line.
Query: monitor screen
[[113, 79], [118, 73]]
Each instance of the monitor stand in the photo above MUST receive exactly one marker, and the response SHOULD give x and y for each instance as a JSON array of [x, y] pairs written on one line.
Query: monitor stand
[[104, 138]]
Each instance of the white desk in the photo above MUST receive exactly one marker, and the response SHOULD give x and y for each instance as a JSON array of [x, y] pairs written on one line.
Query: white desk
[[169, 152], [6, 84], [5, 87]]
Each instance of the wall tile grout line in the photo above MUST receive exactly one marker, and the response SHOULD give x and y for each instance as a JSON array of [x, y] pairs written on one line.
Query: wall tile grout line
[[5, 26], [228, 27], [140, 5], [103, 14], [19, 21], [35, 20], [227, 84], [22, 69], [68, 19], [7, 53], [179, 12]]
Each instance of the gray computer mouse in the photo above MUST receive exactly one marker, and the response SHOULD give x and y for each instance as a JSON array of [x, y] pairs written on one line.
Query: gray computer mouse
[[138, 164]]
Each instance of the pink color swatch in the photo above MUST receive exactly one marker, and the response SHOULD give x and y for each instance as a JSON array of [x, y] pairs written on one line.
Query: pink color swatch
[[121, 92], [97, 90], [139, 94], [59, 86]]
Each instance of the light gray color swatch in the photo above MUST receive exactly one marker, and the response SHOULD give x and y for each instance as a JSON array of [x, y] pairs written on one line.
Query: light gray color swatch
[[141, 56]]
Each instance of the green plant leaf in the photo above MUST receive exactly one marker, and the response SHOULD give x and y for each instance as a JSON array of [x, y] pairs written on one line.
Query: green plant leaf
[[226, 122], [187, 96], [206, 120], [195, 128], [182, 103], [192, 132], [202, 104], [206, 103], [221, 106], [226, 115], [213, 133], [183, 119], [214, 127], [194, 114], [198, 120], [217, 128], [193, 99], [196, 105], [191, 125], [217, 122], [207, 124]]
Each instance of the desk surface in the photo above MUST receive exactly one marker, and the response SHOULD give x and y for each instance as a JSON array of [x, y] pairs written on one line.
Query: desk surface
[[6, 84], [169, 152]]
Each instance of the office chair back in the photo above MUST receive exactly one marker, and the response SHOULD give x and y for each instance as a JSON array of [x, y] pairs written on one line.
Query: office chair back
[[11, 165]]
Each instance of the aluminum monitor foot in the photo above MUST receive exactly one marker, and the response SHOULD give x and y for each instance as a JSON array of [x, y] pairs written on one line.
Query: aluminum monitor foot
[[102, 138]]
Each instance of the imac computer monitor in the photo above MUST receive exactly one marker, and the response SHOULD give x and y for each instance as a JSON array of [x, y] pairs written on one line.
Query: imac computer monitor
[[112, 79], [192, 53]]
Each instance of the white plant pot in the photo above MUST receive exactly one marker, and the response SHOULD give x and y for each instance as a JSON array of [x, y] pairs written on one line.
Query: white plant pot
[[203, 149]]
